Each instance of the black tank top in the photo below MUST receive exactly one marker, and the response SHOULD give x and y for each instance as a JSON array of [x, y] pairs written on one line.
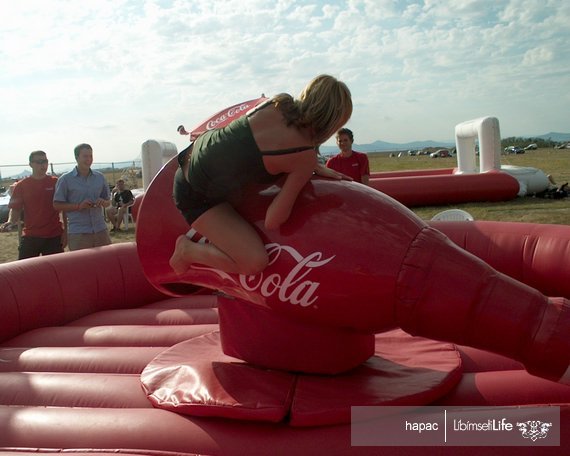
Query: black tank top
[[225, 159]]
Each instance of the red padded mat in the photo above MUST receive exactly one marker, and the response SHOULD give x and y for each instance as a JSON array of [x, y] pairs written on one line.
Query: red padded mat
[[196, 378]]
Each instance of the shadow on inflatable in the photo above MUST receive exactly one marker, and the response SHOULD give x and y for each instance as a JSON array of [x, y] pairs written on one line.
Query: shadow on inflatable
[[363, 304]]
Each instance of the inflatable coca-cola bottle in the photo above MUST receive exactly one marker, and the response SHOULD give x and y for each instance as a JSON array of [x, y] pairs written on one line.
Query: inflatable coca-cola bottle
[[352, 258]]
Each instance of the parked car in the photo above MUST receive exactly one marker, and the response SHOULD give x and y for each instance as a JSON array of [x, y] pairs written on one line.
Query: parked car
[[531, 147], [4, 210], [514, 150], [440, 153]]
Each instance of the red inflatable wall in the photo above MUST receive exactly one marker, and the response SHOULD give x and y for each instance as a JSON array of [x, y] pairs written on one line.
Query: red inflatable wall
[[443, 186]]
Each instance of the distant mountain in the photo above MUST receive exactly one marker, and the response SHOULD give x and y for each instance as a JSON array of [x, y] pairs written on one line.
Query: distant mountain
[[23, 174], [558, 137], [382, 146]]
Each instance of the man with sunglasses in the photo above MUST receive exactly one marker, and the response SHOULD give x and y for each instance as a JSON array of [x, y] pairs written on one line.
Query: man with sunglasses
[[43, 232]]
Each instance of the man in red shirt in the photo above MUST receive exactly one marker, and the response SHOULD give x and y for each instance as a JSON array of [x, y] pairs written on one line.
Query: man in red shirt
[[348, 161], [43, 232]]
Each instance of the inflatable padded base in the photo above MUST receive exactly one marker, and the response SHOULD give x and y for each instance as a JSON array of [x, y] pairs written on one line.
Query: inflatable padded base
[[264, 338], [196, 378]]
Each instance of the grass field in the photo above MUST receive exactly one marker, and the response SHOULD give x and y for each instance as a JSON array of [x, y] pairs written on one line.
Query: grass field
[[526, 209]]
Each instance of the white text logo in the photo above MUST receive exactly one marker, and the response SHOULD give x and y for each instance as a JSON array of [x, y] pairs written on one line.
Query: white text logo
[[292, 287], [232, 112]]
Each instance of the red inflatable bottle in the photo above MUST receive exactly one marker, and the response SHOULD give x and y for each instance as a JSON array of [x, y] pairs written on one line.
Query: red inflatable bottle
[[352, 258]]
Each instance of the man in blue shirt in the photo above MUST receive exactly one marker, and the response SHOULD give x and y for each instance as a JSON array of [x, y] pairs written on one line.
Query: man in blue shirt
[[83, 194]]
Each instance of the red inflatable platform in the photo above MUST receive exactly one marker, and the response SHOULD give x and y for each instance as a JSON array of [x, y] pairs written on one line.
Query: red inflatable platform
[[76, 342]]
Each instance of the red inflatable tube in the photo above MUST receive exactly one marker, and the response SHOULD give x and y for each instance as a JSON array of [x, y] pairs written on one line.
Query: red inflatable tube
[[435, 187], [532, 253], [412, 173], [483, 302]]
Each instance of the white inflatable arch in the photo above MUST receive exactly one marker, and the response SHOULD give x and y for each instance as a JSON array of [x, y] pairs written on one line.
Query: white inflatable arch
[[486, 131], [154, 155]]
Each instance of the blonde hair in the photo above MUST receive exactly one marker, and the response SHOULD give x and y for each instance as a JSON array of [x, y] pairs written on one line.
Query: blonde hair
[[324, 105]]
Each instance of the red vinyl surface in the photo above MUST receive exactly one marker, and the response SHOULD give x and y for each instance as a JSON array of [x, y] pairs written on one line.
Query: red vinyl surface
[[80, 330], [73, 381]]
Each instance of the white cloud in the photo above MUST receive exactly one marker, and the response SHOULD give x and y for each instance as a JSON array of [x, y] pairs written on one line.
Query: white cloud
[[116, 73]]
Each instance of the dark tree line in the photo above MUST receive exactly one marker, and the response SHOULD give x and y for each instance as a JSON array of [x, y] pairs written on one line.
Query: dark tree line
[[523, 142]]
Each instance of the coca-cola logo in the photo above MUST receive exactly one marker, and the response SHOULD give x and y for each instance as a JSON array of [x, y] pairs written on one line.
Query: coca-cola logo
[[231, 112], [293, 286]]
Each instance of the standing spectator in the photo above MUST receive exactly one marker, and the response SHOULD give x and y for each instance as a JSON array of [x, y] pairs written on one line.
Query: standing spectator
[[122, 199], [83, 193], [43, 232], [353, 164]]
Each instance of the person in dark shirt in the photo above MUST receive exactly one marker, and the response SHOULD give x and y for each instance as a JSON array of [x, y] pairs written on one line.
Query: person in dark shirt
[[121, 199]]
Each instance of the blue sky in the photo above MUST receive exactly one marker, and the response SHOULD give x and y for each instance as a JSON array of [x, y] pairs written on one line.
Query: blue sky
[[116, 73]]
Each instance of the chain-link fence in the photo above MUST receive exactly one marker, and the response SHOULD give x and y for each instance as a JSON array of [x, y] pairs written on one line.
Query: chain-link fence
[[129, 171]]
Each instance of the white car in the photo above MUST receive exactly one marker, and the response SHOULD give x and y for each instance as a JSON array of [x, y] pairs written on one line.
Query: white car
[[4, 200]]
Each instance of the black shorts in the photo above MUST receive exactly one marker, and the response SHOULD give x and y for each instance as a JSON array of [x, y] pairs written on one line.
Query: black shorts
[[34, 246], [189, 202]]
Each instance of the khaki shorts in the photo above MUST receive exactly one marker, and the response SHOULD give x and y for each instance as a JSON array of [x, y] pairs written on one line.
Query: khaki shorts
[[86, 241]]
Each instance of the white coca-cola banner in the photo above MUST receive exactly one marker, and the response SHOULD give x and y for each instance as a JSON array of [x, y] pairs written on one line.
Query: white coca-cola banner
[[223, 118]]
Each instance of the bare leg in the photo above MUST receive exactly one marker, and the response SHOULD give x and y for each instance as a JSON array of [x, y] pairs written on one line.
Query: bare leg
[[234, 247], [112, 215], [119, 217]]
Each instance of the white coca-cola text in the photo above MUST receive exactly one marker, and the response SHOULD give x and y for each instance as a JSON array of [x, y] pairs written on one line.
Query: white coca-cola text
[[292, 286], [231, 112]]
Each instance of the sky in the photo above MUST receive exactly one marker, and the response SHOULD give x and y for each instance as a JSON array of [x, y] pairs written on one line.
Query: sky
[[117, 73]]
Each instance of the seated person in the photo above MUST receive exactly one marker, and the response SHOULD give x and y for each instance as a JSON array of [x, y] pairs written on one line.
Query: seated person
[[121, 199]]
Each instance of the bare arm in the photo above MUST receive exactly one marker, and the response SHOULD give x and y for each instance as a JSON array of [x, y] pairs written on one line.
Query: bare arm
[[324, 171], [63, 218], [101, 202], [70, 207], [15, 216], [86, 204], [280, 208]]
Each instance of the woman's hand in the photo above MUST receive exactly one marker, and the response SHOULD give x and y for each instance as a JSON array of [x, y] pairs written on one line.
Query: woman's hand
[[323, 171]]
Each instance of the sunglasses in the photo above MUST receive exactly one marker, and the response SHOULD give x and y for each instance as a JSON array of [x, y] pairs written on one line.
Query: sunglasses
[[40, 162]]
